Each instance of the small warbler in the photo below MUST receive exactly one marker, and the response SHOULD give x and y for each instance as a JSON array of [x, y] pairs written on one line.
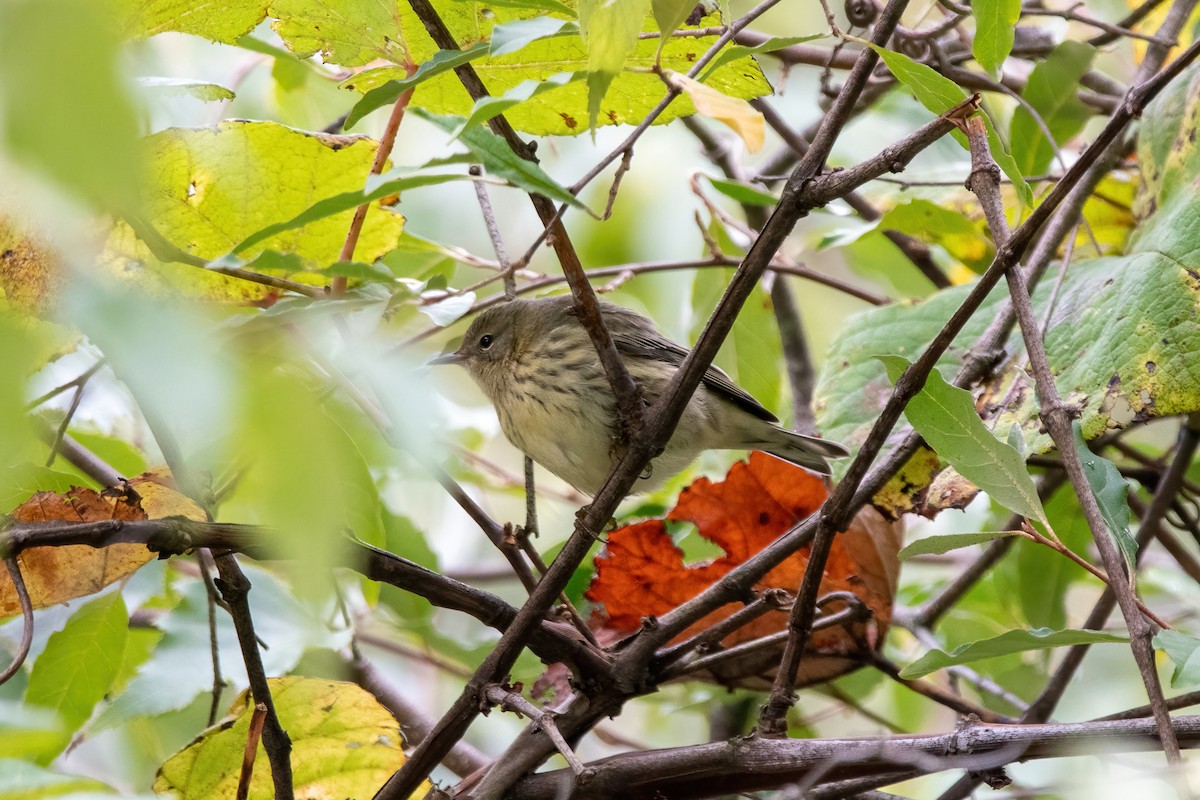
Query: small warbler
[[535, 362]]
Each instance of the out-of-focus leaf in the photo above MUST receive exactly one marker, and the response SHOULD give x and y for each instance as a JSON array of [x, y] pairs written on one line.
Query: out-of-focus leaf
[[344, 744], [936, 545], [179, 669], [58, 67], [939, 225], [1182, 649], [77, 668], [512, 36], [945, 417], [995, 21], [22, 780], [1111, 492], [1052, 90], [1005, 644], [742, 193], [177, 87], [752, 353]]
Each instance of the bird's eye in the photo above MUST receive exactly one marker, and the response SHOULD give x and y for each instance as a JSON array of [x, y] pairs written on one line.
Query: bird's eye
[[486, 341]]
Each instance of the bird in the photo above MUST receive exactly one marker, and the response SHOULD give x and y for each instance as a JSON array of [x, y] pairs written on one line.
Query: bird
[[535, 362]]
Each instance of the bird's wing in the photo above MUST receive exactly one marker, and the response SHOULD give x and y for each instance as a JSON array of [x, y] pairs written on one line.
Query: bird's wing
[[640, 339]]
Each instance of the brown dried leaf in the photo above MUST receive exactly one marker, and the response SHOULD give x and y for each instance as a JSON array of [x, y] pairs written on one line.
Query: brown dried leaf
[[57, 574], [641, 572]]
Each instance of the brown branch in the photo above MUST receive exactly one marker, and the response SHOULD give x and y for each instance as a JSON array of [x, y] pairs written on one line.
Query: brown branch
[[509, 698], [748, 764], [382, 153], [462, 760], [18, 580], [549, 641], [253, 736], [235, 588]]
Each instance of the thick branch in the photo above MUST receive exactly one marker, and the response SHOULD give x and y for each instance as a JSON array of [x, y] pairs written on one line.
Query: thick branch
[[748, 764]]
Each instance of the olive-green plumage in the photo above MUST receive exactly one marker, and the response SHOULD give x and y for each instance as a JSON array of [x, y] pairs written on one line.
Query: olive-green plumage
[[535, 362]]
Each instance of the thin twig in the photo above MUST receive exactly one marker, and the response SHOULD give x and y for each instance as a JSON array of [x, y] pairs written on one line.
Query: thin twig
[[234, 588], [510, 699], [257, 717], [18, 581], [386, 142]]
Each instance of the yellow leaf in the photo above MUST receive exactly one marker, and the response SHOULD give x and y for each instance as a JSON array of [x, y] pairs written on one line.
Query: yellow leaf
[[344, 744], [734, 112]]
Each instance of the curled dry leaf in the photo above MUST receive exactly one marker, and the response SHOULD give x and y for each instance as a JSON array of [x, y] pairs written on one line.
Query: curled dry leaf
[[57, 574], [642, 573]]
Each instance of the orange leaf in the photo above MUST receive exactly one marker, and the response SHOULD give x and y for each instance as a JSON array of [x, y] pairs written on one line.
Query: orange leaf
[[57, 574], [642, 573]]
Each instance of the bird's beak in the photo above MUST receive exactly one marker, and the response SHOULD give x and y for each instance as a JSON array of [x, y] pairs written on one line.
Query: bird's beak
[[447, 358]]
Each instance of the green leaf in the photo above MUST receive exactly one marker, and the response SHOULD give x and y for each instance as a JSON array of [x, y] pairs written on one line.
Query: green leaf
[[553, 6], [1183, 650], [343, 744], [388, 93], [352, 32], [730, 54], [936, 545], [669, 15], [487, 107], [945, 417], [398, 180], [117, 453], [16, 363], [224, 22], [934, 91], [743, 193], [21, 780], [563, 110], [1121, 339], [1005, 644], [21, 481], [1037, 580], [64, 110], [512, 36], [1111, 492], [178, 87], [610, 29], [1052, 90], [77, 668], [995, 21], [207, 189], [939, 94], [499, 160]]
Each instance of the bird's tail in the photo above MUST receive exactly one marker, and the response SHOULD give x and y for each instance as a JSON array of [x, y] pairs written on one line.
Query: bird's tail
[[804, 451]]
